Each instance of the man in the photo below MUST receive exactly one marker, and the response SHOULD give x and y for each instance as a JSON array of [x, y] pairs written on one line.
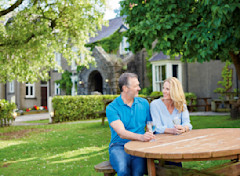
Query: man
[[127, 116]]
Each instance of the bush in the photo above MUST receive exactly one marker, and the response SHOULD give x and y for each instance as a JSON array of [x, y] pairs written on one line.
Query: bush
[[156, 93], [6, 112], [146, 91], [81, 107], [191, 98]]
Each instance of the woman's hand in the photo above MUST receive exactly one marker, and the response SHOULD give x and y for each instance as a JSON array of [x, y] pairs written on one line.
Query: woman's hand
[[179, 129]]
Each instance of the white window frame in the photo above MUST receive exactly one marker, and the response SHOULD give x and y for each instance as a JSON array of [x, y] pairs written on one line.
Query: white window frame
[[74, 65], [124, 44], [169, 72], [159, 79], [74, 82], [11, 87], [57, 89], [58, 57], [30, 86]]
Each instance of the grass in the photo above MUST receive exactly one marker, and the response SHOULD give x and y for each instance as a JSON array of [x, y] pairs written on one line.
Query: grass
[[38, 121], [72, 149]]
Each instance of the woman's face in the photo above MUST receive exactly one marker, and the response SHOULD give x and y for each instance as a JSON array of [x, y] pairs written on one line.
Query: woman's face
[[166, 91]]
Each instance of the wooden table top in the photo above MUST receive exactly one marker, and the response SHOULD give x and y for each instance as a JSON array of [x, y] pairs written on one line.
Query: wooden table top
[[200, 144]]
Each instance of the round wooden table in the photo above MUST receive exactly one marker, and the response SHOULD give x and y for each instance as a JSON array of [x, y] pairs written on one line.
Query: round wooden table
[[196, 145]]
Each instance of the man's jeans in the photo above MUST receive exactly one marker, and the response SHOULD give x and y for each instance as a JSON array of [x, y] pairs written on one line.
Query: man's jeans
[[125, 164]]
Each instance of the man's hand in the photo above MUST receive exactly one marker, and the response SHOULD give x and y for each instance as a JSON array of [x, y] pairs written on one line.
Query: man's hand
[[147, 137]]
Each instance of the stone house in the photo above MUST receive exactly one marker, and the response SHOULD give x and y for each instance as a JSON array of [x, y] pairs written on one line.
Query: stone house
[[103, 78], [199, 78]]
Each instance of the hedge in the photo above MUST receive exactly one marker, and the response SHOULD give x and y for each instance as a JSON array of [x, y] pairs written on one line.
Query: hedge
[[6, 112], [81, 107]]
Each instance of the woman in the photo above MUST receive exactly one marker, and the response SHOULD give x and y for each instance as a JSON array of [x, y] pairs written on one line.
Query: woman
[[170, 113]]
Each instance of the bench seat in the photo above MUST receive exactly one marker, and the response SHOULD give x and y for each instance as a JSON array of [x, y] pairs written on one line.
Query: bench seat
[[106, 168]]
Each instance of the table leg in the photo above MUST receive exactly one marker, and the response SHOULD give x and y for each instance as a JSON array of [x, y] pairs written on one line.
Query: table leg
[[151, 167]]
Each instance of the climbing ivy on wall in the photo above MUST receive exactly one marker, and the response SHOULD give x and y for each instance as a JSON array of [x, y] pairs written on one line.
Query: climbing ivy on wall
[[66, 82], [109, 44]]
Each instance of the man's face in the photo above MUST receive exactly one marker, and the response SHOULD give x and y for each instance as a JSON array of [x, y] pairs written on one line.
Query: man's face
[[132, 88]]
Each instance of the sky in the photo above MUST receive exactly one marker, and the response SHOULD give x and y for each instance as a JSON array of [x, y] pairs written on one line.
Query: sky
[[113, 4]]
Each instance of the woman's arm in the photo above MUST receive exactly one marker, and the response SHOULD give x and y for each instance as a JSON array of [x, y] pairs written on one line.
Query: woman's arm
[[186, 119], [157, 117]]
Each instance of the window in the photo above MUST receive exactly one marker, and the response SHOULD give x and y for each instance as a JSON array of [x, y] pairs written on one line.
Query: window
[[11, 87], [164, 69], [57, 89], [74, 65], [175, 71], [74, 85], [58, 60], [160, 76], [30, 90], [124, 44]]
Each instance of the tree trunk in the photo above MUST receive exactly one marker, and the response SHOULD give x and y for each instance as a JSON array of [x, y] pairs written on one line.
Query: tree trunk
[[236, 62], [235, 109]]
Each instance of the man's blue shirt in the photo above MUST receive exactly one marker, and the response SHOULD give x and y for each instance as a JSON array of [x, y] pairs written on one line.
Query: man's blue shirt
[[134, 118]]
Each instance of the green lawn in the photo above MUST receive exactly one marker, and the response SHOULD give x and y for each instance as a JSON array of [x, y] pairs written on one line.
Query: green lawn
[[71, 149], [38, 121]]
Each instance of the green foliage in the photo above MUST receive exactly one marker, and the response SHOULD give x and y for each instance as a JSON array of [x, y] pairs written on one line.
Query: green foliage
[[156, 93], [149, 66], [146, 91], [6, 112], [191, 98], [66, 82], [109, 44], [227, 79], [37, 29], [72, 108], [81, 107], [197, 30]]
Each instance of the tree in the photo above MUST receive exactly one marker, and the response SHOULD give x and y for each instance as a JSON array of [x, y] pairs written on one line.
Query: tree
[[199, 30], [39, 28]]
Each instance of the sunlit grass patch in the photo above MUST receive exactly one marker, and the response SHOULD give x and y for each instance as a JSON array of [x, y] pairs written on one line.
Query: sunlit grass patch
[[5, 144]]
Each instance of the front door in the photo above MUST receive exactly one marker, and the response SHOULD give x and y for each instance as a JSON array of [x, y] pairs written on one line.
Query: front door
[[43, 96]]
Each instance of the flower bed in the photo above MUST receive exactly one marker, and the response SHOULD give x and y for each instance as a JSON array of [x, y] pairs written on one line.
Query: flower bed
[[34, 110]]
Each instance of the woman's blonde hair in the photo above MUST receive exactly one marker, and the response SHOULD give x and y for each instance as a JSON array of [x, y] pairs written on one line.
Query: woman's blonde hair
[[176, 93]]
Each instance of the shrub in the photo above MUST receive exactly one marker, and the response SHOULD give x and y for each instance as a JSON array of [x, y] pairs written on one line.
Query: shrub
[[81, 107], [6, 112], [72, 108], [156, 93], [146, 90]]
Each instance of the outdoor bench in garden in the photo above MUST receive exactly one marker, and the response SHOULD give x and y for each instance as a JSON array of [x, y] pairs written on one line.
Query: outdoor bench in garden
[[103, 113], [205, 104], [106, 168]]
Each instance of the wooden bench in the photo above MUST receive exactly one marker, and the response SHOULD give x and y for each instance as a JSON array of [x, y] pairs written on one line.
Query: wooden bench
[[216, 105], [205, 104], [102, 114], [106, 168]]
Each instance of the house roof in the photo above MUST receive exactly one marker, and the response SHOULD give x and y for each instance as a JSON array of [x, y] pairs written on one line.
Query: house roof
[[114, 25], [161, 56]]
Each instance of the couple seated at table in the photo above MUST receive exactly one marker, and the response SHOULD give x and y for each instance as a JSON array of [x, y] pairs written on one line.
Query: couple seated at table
[[128, 114]]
